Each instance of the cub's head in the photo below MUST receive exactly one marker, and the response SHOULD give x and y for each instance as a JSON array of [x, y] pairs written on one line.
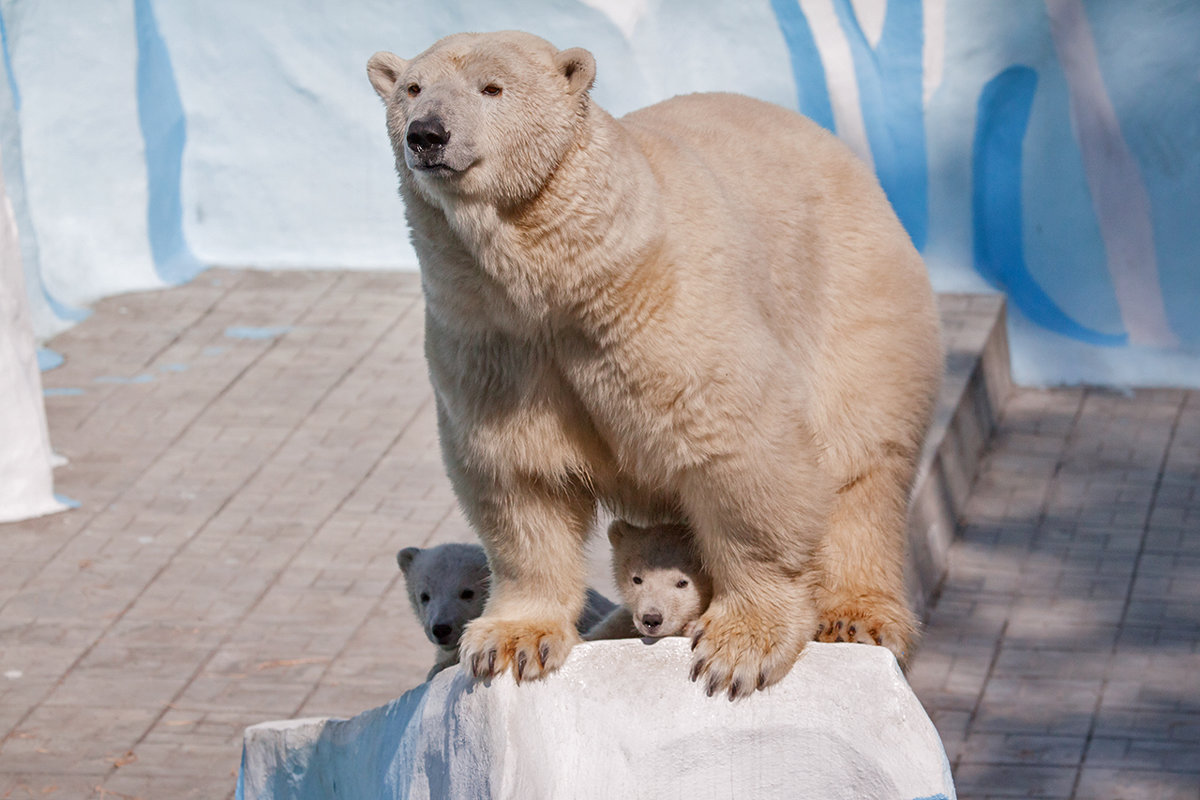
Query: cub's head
[[658, 573], [487, 116], [447, 586]]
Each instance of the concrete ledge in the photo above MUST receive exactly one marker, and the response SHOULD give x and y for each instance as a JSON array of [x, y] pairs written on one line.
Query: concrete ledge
[[974, 389], [619, 720]]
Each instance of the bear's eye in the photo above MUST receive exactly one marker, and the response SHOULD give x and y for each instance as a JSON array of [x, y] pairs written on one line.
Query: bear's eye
[[492, 90], [467, 594], [681, 585], [637, 580], [413, 90], [424, 597]]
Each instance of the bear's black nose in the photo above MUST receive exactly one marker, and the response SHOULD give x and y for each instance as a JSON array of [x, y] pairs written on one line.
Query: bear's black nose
[[427, 134], [442, 633], [651, 621]]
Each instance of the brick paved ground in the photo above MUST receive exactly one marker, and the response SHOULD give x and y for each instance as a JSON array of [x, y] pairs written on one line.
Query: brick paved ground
[[1063, 656], [250, 450]]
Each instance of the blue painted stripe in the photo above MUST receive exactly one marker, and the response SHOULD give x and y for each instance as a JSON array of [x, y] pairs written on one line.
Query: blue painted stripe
[[1001, 120], [890, 89], [812, 97], [164, 130], [68, 391], [8, 68]]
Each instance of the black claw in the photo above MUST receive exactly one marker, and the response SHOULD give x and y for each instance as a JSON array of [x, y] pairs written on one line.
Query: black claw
[[712, 686], [543, 653], [697, 668], [762, 681], [696, 638], [522, 660], [851, 630], [735, 689], [476, 665], [839, 639], [491, 662], [838, 626]]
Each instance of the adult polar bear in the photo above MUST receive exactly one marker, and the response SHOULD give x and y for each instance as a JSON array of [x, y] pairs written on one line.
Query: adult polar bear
[[705, 312]]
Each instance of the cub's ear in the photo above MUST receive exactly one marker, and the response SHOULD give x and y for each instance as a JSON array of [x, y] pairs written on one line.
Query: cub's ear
[[405, 558], [616, 531], [384, 70], [578, 67]]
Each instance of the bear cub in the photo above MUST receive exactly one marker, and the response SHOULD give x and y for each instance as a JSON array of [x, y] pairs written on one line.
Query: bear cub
[[662, 584], [448, 587]]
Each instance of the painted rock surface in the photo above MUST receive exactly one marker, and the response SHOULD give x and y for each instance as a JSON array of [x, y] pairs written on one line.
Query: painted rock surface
[[620, 719]]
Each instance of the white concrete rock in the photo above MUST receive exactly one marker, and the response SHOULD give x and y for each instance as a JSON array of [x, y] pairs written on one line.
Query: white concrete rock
[[26, 481], [620, 719]]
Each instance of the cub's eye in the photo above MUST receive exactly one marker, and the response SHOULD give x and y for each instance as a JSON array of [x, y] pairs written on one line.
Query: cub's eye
[[467, 594], [413, 90], [492, 90], [681, 585], [637, 580], [424, 597]]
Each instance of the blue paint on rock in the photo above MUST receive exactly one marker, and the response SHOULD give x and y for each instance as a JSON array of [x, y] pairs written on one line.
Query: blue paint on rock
[[812, 97], [890, 86], [8, 69], [164, 129], [62, 392], [1001, 120]]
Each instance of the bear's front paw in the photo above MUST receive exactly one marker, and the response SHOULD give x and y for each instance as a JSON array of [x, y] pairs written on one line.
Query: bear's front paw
[[531, 648], [885, 626], [738, 651]]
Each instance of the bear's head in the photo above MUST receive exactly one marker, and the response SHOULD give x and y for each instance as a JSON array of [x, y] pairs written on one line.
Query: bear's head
[[483, 117], [659, 576], [447, 586]]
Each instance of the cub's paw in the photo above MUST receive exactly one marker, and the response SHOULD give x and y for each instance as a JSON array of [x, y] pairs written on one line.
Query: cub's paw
[[738, 652], [890, 629], [530, 648]]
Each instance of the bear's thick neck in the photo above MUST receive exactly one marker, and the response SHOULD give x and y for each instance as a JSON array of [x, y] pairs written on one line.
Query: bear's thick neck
[[589, 228]]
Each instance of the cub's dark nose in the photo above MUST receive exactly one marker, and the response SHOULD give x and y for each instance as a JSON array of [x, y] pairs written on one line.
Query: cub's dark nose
[[442, 633], [651, 621], [427, 134]]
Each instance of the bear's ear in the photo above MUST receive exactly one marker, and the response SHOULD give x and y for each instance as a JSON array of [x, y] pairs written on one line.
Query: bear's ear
[[578, 67], [405, 558], [616, 532], [384, 70]]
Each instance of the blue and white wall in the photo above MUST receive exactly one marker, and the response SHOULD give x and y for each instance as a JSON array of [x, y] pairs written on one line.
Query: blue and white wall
[[1049, 149]]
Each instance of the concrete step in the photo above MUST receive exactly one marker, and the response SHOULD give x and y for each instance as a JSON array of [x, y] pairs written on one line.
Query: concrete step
[[977, 382]]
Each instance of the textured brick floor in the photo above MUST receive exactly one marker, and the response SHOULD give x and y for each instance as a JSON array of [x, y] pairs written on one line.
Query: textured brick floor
[[1063, 656], [250, 450]]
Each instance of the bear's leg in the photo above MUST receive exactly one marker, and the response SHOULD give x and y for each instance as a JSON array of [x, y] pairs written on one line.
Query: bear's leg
[[756, 528], [534, 535], [860, 592]]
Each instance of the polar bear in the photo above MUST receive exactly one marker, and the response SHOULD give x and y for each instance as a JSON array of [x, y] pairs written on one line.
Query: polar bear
[[447, 586], [704, 312], [663, 587]]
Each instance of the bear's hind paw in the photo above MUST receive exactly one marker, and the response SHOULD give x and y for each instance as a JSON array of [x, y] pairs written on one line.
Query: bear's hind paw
[[855, 625]]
